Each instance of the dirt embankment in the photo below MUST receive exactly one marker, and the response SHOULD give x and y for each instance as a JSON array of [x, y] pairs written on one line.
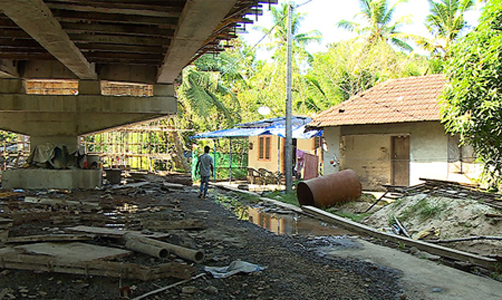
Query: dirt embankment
[[432, 217]]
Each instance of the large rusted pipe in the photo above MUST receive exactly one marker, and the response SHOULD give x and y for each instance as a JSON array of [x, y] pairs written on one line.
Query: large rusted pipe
[[193, 255], [327, 190], [149, 249]]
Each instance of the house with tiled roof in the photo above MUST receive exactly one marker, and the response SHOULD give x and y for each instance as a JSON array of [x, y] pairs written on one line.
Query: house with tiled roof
[[391, 135]]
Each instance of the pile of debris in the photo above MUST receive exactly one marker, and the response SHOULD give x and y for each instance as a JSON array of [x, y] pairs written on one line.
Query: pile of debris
[[99, 233], [460, 216]]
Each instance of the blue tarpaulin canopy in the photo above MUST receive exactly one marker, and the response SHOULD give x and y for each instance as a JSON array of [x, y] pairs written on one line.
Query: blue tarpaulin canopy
[[274, 126]]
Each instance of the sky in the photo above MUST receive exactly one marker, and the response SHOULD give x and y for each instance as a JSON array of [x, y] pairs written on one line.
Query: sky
[[323, 15]]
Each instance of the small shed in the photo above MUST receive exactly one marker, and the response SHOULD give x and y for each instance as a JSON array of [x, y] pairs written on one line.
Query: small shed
[[267, 145], [391, 134]]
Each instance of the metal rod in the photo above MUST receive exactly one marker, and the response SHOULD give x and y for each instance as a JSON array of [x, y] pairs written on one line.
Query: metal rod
[[230, 163]]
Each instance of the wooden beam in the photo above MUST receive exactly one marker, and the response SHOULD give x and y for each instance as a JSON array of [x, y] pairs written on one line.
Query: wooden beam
[[122, 40], [75, 16], [34, 17], [42, 263], [140, 49], [117, 8], [49, 238], [138, 30], [197, 23]]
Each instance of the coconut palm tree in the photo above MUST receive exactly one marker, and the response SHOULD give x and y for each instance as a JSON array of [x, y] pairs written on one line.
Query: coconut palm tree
[[379, 25], [279, 33], [206, 92], [445, 23]]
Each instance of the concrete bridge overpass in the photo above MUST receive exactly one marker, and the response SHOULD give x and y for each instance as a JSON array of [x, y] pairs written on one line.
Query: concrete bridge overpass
[[91, 41]]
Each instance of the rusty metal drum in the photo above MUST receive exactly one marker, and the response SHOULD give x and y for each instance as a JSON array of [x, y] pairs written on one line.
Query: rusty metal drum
[[327, 190]]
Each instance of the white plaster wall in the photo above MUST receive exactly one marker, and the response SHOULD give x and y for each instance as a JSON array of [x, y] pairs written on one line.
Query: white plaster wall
[[369, 157], [428, 148], [332, 137]]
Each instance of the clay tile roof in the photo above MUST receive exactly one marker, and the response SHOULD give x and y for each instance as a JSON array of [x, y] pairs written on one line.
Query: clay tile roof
[[410, 99]]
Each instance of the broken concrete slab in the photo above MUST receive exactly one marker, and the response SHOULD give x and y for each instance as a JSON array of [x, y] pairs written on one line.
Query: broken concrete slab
[[74, 251]]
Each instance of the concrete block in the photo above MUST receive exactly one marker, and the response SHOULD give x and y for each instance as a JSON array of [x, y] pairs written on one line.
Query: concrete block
[[166, 90], [89, 87], [50, 178]]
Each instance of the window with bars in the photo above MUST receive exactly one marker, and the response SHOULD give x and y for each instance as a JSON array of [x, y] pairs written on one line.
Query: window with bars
[[264, 148]]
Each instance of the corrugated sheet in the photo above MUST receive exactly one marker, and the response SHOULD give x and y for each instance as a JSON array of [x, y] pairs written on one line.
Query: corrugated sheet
[[411, 99]]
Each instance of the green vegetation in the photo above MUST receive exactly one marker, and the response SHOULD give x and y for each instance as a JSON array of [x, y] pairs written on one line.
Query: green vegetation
[[250, 198], [282, 196], [380, 26], [424, 210], [472, 101]]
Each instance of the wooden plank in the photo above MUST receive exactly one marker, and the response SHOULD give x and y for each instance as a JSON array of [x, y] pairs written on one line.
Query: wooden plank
[[140, 49], [50, 238], [74, 251], [137, 30], [72, 16], [122, 40], [116, 8], [12, 260], [166, 9], [435, 249], [61, 202], [26, 217], [113, 233], [34, 17]]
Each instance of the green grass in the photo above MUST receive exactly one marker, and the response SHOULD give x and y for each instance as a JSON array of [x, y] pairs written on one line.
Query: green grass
[[251, 198], [282, 196], [424, 210]]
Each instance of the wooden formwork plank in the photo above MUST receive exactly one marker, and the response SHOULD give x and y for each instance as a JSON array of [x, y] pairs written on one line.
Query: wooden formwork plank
[[50, 238], [113, 233], [12, 260]]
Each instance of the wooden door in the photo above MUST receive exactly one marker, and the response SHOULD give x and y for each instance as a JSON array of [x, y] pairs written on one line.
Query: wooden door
[[400, 160]]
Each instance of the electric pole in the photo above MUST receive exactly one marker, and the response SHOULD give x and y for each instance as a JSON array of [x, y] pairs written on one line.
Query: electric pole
[[289, 132]]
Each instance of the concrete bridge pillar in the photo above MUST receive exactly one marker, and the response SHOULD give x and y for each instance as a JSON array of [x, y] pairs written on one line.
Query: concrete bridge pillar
[[60, 119]]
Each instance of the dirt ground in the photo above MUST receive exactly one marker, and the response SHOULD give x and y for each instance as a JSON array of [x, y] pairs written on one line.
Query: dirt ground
[[311, 260], [295, 268]]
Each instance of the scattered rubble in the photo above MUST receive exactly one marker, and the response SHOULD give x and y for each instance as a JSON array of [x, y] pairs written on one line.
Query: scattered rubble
[[98, 244]]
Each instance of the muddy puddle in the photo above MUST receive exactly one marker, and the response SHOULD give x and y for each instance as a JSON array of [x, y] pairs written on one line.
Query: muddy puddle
[[286, 222]]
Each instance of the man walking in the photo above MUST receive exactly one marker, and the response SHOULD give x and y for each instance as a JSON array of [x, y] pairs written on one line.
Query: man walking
[[205, 164]]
